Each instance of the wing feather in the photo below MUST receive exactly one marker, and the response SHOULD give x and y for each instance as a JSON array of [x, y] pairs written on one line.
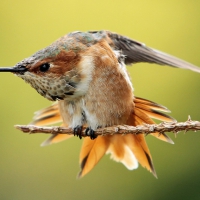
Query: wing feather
[[136, 52]]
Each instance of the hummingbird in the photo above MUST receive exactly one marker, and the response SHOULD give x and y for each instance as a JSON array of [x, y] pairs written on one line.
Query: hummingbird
[[85, 74]]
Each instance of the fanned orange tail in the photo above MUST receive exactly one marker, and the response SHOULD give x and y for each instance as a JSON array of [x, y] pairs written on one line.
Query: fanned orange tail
[[128, 149], [131, 149]]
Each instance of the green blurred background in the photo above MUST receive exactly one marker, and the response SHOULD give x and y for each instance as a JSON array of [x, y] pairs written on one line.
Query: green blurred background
[[28, 171]]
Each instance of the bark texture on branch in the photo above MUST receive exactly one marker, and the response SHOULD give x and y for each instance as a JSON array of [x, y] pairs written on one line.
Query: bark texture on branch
[[174, 127]]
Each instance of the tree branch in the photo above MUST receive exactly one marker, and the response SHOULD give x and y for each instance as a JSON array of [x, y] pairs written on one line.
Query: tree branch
[[174, 127]]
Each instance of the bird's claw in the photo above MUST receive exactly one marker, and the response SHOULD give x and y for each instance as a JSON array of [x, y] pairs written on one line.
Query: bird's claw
[[78, 131], [90, 132]]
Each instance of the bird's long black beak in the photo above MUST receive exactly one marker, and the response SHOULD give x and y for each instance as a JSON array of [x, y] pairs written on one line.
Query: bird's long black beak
[[13, 69]]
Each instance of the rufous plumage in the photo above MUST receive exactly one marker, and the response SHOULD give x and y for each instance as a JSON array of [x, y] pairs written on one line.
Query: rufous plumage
[[85, 73]]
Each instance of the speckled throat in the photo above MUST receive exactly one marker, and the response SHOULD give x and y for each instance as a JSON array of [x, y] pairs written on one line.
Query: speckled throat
[[51, 87]]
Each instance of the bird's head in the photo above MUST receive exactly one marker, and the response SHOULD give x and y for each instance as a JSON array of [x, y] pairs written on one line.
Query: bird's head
[[54, 71]]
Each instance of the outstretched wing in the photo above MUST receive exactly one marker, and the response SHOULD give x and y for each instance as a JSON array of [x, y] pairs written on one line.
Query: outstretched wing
[[136, 52]]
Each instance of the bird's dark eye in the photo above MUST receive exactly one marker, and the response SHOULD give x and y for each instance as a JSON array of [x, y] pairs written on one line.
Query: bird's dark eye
[[44, 67]]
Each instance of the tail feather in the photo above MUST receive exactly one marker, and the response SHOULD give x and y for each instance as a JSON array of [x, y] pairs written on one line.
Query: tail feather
[[140, 149], [139, 146], [144, 103], [55, 138], [142, 117], [128, 149], [156, 115], [47, 116], [120, 152], [91, 152], [50, 116]]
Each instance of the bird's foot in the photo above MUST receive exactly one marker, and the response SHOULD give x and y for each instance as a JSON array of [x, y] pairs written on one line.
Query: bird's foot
[[90, 132], [78, 131]]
